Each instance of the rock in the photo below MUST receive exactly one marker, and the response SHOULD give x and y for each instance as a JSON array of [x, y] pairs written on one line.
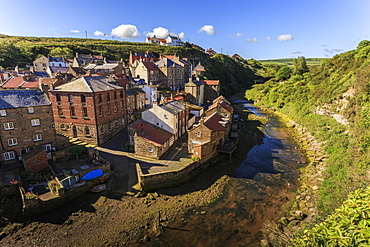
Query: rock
[[315, 187]]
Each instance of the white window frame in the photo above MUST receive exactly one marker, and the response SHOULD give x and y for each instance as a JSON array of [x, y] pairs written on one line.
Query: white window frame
[[3, 113], [8, 126], [150, 150], [199, 134], [31, 110], [37, 137], [47, 147], [35, 122], [9, 155], [12, 142]]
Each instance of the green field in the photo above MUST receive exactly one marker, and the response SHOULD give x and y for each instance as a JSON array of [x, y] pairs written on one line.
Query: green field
[[289, 61]]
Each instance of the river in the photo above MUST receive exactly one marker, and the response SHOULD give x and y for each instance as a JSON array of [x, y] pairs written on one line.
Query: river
[[258, 188]]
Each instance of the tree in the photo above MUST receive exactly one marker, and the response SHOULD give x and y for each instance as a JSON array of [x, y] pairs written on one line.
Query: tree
[[61, 52], [9, 54], [283, 73], [300, 66]]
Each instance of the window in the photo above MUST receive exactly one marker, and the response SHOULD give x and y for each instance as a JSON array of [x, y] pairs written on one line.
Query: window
[[121, 94], [58, 97], [84, 110], [109, 126], [100, 111], [99, 98], [72, 111], [117, 125], [108, 98], [37, 137], [108, 110], [150, 150], [47, 147], [115, 95], [199, 134], [170, 76], [43, 64], [83, 99], [31, 110], [35, 122], [102, 130], [9, 155], [62, 126], [2, 113], [8, 126], [60, 111], [87, 130], [115, 107], [70, 98], [12, 142]]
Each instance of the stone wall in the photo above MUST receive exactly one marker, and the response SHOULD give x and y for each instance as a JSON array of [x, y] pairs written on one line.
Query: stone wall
[[155, 181], [35, 160]]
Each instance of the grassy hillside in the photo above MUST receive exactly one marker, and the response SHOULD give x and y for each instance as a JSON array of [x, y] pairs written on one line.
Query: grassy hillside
[[333, 102], [23, 50]]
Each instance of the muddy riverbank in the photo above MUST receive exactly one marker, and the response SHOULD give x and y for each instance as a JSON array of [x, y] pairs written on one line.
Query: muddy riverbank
[[217, 208]]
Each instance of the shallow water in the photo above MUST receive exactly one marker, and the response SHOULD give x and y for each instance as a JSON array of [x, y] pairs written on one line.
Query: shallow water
[[259, 186]]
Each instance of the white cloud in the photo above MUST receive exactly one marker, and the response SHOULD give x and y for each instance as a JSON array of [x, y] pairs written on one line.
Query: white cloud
[[99, 33], [254, 40], [126, 31], [333, 50], [182, 35], [268, 38], [75, 31], [285, 37], [159, 32], [208, 29], [296, 52], [239, 34]]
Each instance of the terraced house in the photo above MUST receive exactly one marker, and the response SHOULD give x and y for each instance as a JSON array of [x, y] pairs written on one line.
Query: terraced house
[[91, 109], [26, 121]]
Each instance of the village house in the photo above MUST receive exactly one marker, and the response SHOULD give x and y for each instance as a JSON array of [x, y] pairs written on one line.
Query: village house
[[149, 140], [211, 90], [195, 89], [141, 56], [146, 70], [91, 109], [174, 41], [211, 52], [26, 122], [155, 40], [81, 60], [204, 138], [151, 94], [198, 47], [139, 98], [222, 108], [43, 62], [173, 74], [198, 71], [172, 117]]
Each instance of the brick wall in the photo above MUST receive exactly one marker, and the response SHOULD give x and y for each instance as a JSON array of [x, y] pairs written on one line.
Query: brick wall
[[35, 160]]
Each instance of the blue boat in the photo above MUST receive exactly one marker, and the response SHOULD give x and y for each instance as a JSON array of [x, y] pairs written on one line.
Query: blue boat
[[91, 175]]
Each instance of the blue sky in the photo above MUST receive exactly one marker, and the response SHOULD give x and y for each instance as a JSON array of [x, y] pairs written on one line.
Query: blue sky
[[259, 29]]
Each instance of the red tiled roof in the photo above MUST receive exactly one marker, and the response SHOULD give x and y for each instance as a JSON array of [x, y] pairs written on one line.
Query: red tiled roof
[[151, 134], [223, 105], [169, 56], [31, 84], [211, 82], [150, 65], [212, 122], [178, 97], [14, 82]]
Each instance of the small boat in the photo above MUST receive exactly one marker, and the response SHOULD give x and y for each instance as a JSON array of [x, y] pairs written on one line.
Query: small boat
[[99, 188], [92, 175]]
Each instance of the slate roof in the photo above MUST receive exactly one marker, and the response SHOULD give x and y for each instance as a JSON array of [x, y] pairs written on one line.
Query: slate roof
[[89, 84], [212, 122], [106, 66], [136, 90], [142, 54], [150, 133], [167, 63], [90, 66], [55, 69], [56, 59], [173, 107], [22, 98], [129, 93], [41, 74]]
